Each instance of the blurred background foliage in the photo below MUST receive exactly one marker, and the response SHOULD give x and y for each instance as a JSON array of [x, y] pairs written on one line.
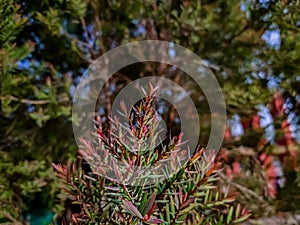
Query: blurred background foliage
[[252, 46]]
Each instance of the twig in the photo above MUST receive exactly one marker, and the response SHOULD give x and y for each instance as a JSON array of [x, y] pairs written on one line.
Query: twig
[[242, 188], [8, 216], [26, 101]]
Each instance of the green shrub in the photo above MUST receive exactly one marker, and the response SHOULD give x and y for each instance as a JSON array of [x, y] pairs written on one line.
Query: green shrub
[[190, 196], [34, 105]]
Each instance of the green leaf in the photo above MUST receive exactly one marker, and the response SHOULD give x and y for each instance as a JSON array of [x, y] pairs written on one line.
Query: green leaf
[[39, 118], [229, 216]]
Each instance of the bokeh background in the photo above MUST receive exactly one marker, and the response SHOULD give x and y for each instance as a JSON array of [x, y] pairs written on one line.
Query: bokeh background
[[252, 47]]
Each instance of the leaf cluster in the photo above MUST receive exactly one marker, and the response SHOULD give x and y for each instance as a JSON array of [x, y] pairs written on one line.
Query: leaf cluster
[[189, 196]]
